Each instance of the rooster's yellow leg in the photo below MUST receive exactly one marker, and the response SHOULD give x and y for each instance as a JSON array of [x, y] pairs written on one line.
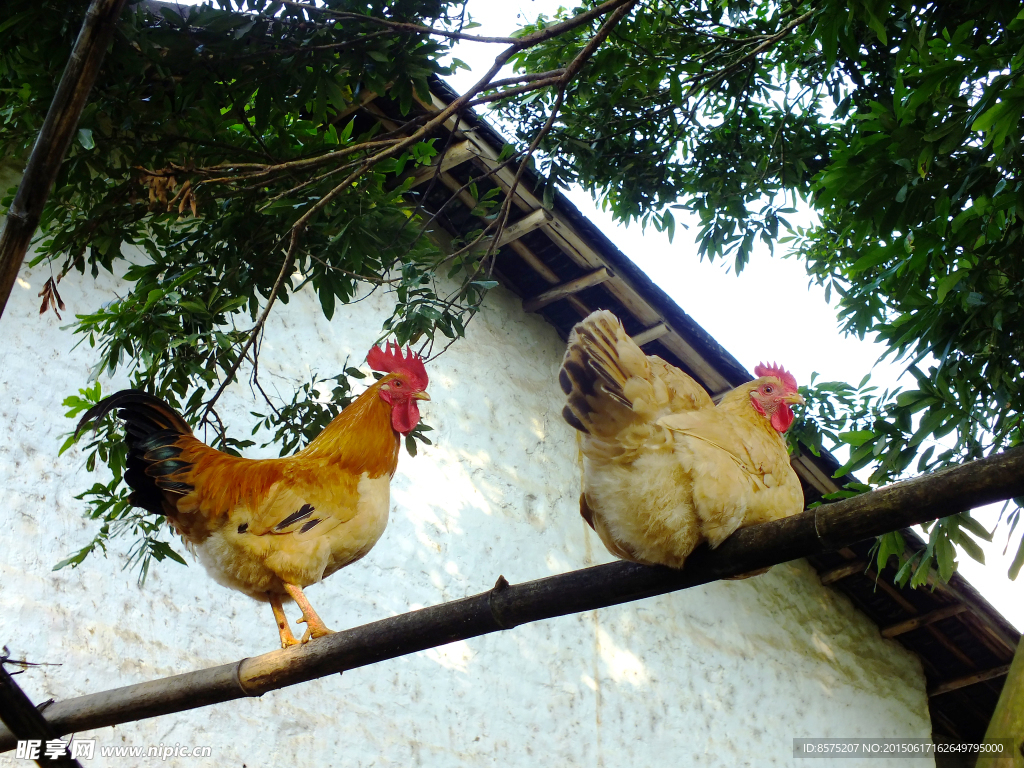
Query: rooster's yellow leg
[[315, 626], [287, 638]]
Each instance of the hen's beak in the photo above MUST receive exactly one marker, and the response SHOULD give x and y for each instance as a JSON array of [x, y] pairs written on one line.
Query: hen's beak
[[424, 396], [794, 399]]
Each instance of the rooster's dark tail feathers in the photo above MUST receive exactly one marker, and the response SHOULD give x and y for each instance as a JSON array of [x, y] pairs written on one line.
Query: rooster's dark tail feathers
[[152, 430]]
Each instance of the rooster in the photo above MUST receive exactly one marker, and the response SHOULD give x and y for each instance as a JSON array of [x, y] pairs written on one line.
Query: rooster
[[271, 527], [664, 468]]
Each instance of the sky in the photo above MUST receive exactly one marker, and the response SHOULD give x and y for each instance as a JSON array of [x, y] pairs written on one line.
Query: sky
[[730, 306]]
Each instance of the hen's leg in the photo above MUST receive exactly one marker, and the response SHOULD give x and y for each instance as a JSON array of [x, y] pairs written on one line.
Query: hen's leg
[[287, 638], [315, 626]]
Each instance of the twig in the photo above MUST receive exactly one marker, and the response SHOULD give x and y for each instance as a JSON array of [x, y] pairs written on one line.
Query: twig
[[458, 104], [768, 43], [617, 8], [570, 72], [527, 78], [400, 25], [454, 196], [291, 165], [536, 86], [289, 260]]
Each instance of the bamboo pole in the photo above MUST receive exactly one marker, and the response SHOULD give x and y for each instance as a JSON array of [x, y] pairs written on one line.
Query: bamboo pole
[[1007, 723], [19, 714], [54, 138], [828, 527]]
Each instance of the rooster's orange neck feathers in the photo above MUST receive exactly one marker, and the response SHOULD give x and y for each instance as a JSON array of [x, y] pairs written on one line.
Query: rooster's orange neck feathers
[[361, 438]]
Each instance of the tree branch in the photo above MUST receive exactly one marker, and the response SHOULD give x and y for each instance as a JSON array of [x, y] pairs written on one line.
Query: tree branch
[[54, 138], [570, 72]]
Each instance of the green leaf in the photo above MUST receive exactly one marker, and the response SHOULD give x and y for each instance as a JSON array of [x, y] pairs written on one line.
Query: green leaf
[[85, 138], [970, 546], [946, 284], [858, 437], [71, 440], [889, 544], [1018, 561], [969, 523], [945, 556], [76, 559]]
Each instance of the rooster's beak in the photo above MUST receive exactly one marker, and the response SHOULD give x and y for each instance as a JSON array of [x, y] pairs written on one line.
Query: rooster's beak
[[794, 399], [421, 396]]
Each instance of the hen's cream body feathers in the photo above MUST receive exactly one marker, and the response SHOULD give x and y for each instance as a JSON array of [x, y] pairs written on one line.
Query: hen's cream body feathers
[[664, 468]]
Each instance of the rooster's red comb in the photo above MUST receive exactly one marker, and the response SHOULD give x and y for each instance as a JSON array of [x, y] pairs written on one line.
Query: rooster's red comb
[[390, 359], [780, 373]]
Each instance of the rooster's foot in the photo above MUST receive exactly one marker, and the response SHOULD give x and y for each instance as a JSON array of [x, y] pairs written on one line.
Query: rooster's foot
[[315, 626], [313, 631], [287, 638]]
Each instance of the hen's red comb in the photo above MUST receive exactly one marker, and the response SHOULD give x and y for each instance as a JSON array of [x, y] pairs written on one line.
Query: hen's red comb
[[390, 359], [780, 373]]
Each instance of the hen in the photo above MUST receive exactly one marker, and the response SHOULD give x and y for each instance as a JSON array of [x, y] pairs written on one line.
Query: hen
[[663, 467], [271, 527]]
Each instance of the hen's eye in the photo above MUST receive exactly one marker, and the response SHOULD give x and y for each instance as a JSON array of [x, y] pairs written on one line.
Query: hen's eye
[[768, 389], [398, 383]]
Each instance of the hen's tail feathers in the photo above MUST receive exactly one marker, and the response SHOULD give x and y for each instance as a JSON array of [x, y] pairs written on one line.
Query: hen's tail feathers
[[152, 429], [599, 361]]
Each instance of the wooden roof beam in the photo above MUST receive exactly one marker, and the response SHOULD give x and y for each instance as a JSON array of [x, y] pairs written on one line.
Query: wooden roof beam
[[365, 97], [886, 586], [542, 269], [519, 248], [651, 334], [455, 156], [843, 571], [989, 628], [809, 473], [923, 619], [564, 235], [534, 262], [963, 682], [524, 226], [588, 280]]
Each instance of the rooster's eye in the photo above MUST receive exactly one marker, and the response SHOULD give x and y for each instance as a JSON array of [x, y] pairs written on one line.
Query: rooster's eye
[[767, 389]]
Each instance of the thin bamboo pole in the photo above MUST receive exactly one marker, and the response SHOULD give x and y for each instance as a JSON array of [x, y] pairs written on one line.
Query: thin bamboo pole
[[54, 138], [1007, 721], [19, 714], [828, 527]]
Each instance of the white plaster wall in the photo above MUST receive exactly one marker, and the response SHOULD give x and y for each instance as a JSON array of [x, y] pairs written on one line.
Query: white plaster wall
[[723, 675]]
